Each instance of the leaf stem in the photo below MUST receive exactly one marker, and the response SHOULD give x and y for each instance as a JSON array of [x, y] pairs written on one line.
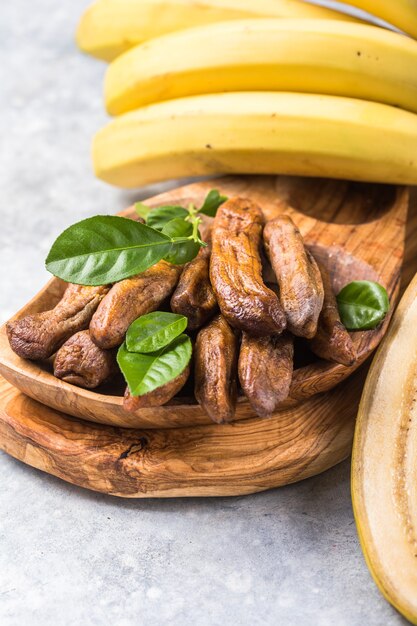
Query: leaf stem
[[195, 220]]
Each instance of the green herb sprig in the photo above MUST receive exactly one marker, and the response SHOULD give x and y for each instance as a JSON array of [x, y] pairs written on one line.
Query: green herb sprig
[[106, 249], [155, 352]]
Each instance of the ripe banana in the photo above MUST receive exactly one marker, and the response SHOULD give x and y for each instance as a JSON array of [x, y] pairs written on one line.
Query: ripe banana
[[399, 13], [110, 27], [313, 56], [259, 133], [384, 461]]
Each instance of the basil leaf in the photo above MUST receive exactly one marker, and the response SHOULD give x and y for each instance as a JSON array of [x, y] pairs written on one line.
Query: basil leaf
[[160, 216], [142, 210], [154, 331], [145, 372], [181, 251], [362, 305], [212, 203], [105, 249]]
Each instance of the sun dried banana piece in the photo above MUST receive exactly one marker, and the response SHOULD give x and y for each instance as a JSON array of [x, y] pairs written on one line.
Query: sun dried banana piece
[[194, 296], [129, 299], [332, 341], [40, 335], [265, 371], [298, 276], [80, 362], [215, 356], [236, 270]]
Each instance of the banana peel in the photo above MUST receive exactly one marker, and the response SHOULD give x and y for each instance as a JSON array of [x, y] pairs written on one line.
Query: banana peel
[[366, 62], [384, 462], [110, 27], [259, 133]]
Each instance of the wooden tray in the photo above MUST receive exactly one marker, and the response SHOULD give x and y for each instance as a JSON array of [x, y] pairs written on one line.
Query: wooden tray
[[361, 235]]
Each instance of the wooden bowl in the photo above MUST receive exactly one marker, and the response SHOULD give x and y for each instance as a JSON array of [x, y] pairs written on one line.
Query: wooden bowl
[[360, 235]]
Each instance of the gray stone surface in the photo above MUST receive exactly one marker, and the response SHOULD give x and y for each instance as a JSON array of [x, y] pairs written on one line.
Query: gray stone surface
[[68, 557]]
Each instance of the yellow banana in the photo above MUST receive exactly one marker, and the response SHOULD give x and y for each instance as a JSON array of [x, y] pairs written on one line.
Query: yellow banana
[[384, 461], [259, 133], [399, 13], [313, 56], [110, 27]]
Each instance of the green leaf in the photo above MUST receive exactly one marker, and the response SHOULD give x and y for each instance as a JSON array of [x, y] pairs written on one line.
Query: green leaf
[[145, 372], [154, 331], [184, 250], [212, 203], [160, 216], [105, 249], [142, 210], [362, 305], [178, 229]]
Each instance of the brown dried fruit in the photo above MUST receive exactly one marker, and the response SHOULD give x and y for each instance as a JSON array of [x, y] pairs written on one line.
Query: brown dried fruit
[[236, 270], [332, 341], [265, 371], [215, 357], [194, 296], [38, 336], [298, 276], [80, 362], [129, 299]]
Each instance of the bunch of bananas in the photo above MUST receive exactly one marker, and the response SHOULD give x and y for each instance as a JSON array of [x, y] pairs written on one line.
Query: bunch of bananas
[[237, 86]]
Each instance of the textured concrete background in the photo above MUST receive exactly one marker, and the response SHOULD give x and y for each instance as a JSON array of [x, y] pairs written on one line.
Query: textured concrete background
[[68, 557]]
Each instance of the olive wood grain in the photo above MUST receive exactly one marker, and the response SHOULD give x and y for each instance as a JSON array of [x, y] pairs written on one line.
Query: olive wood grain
[[214, 460], [360, 235]]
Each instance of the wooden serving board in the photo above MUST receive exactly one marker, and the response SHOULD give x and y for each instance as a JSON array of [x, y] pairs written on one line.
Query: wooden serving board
[[216, 460], [205, 460]]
